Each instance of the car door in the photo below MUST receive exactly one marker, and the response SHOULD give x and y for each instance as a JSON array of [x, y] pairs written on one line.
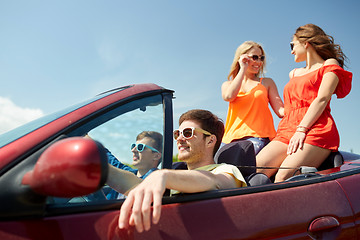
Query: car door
[[276, 211], [351, 186], [315, 208]]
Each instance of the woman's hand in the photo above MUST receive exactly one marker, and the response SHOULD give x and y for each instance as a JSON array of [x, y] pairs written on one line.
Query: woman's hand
[[296, 142], [230, 89], [244, 61]]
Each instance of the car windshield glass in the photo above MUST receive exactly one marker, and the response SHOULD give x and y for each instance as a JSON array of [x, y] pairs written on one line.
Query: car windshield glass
[[25, 129]]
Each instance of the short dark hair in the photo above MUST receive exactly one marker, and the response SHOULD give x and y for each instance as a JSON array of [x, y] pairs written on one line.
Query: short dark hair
[[157, 137], [208, 121]]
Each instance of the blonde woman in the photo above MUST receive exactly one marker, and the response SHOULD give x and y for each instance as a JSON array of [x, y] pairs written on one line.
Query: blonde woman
[[249, 95]]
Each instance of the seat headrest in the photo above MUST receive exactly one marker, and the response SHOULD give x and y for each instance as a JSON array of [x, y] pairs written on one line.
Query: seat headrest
[[179, 166], [239, 153], [335, 159]]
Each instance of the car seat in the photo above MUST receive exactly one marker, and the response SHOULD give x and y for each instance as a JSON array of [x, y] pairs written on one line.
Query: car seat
[[239, 153], [242, 154], [335, 159], [179, 166]]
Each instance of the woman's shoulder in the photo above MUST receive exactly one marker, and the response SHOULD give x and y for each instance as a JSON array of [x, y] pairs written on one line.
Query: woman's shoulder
[[292, 73], [266, 81], [303, 71], [331, 61]]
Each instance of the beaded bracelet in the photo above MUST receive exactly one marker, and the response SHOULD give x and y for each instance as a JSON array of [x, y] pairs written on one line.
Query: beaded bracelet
[[302, 129]]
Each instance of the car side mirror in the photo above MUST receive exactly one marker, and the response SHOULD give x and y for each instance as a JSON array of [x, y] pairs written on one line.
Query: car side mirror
[[71, 167]]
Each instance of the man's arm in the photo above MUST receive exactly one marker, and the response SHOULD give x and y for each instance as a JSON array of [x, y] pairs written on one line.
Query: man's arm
[[121, 180], [193, 181], [153, 187]]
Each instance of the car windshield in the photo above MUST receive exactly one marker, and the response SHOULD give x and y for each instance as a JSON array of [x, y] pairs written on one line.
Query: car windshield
[[25, 129]]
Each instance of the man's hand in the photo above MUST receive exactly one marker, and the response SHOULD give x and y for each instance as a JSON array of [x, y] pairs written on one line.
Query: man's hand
[[136, 210]]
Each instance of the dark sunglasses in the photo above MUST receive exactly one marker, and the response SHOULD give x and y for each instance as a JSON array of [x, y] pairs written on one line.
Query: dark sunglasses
[[188, 132], [291, 46], [257, 57], [141, 146]]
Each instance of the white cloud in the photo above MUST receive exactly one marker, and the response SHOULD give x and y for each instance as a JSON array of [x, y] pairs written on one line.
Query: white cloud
[[12, 116]]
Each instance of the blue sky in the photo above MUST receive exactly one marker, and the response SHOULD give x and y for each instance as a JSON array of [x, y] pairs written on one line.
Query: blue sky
[[56, 53]]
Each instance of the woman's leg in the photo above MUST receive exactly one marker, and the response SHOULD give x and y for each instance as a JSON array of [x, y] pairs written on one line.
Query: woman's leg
[[272, 155], [310, 155]]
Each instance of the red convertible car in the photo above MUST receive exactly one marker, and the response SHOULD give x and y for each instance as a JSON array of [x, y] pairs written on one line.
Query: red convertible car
[[52, 182]]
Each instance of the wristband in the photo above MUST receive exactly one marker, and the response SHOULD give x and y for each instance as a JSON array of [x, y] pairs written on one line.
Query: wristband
[[302, 129]]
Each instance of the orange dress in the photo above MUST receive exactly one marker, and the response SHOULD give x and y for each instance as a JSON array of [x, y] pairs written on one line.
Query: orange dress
[[299, 93], [249, 116]]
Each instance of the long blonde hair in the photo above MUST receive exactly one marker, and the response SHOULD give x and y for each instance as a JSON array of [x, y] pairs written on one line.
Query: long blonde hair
[[244, 48]]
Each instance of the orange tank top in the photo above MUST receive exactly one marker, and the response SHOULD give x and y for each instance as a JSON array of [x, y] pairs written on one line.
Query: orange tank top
[[249, 116]]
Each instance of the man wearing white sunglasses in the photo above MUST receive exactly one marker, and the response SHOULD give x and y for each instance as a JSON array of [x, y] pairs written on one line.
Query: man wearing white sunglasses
[[198, 138]]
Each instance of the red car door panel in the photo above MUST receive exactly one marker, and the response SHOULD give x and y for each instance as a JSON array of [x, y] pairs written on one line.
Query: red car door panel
[[351, 186], [283, 213]]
